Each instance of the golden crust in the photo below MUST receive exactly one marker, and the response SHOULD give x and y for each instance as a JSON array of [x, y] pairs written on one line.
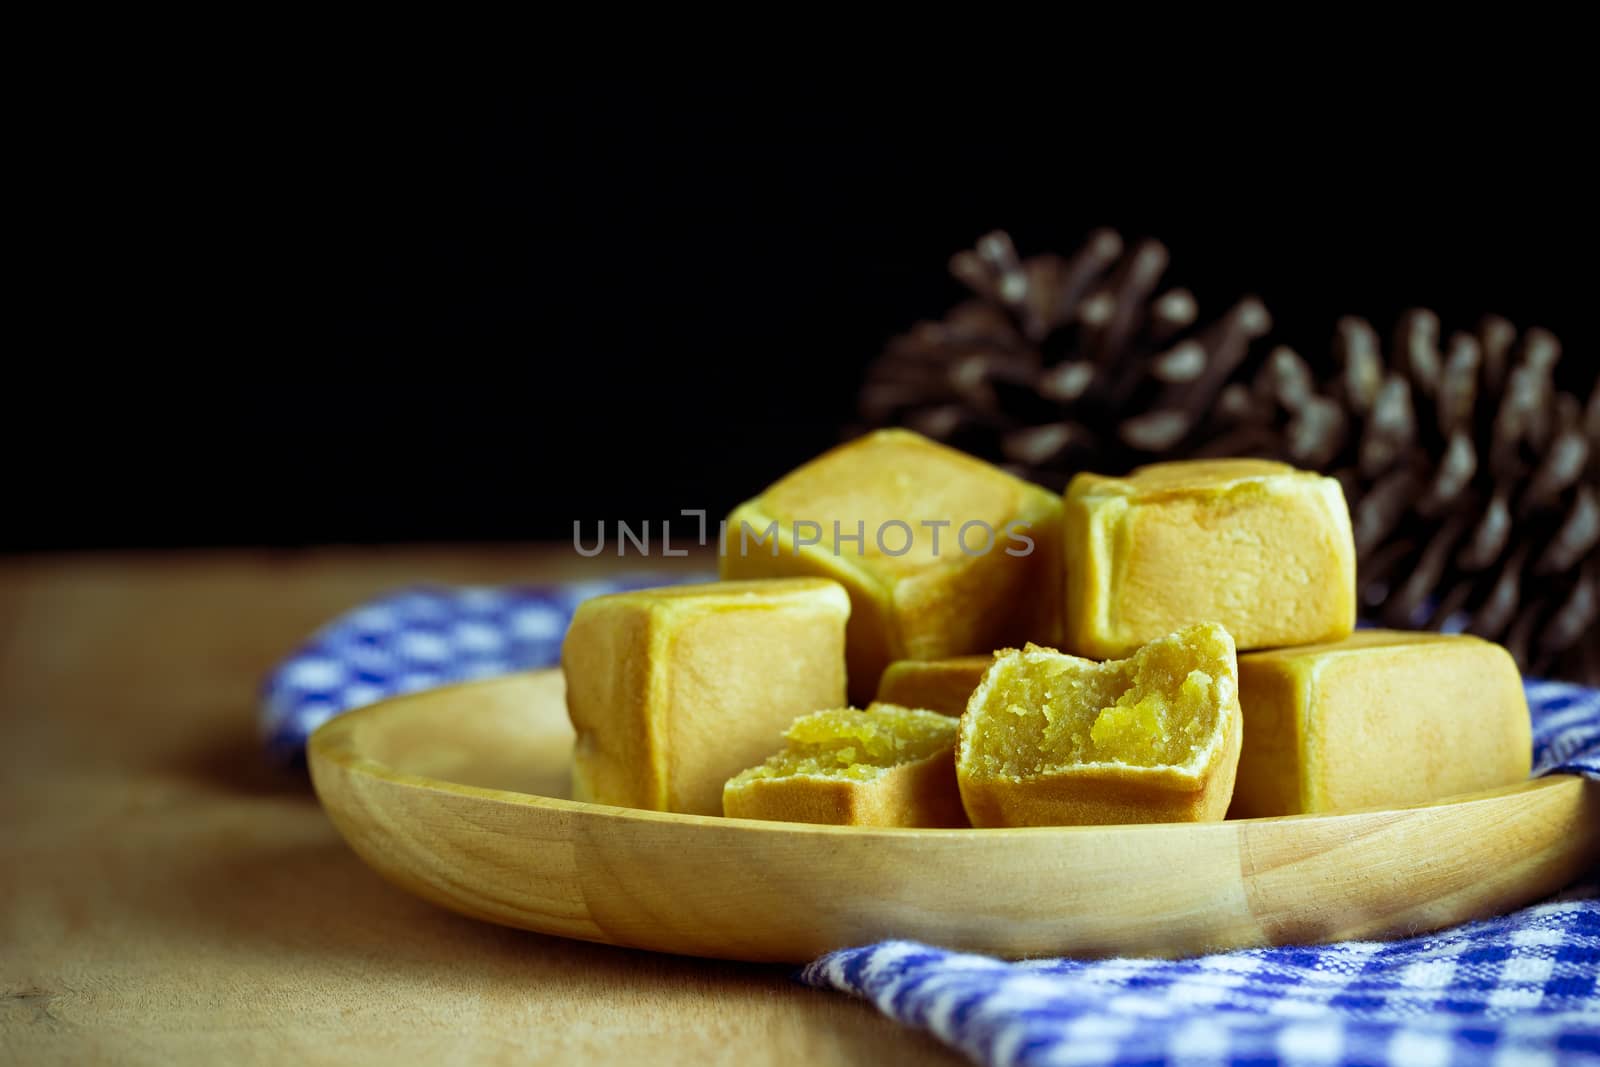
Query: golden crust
[[919, 793], [1098, 793], [942, 685], [1380, 719], [672, 691], [1259, 547], [923, 604]]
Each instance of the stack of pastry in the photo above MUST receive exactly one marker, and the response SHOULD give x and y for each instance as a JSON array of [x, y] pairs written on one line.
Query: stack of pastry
[[1175, 645]]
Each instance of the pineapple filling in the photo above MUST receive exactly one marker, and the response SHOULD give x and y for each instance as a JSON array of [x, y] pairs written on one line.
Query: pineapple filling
[[856, 745], [1161, 707]]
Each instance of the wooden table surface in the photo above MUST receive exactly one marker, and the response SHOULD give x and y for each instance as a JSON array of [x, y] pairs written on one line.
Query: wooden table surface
[[165, 898]]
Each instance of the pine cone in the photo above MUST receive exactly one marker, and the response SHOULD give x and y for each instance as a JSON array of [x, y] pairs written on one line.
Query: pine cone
[[1063, 363], [1472, 480]]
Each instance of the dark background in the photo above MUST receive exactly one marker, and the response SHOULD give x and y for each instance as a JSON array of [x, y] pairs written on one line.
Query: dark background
[[371, 318]]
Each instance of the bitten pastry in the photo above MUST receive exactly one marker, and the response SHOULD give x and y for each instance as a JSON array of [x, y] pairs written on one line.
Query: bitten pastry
[[1053, 740], [942, 685], [1381, 718], [885, 766], [1262, 548], [673, 690], [942, 553]]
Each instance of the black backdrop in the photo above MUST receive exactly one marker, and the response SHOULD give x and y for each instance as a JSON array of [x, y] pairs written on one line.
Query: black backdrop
[[374, 319]]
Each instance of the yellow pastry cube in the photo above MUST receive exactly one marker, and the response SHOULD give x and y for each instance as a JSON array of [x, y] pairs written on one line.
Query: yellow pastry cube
[[1053, 740], [673, 690], [885, 766], [942, 553], [942, 685], [1262, 548], [1380, 719]]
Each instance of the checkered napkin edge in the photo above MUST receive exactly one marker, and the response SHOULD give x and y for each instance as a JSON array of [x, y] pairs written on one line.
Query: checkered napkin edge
[[418, 638], [1514, 990]]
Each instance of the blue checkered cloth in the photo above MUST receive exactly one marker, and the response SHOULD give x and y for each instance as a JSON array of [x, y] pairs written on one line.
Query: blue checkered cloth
[[1516, 990]]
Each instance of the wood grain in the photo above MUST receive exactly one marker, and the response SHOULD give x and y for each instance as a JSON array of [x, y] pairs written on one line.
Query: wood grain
[[166, 899], [456, 795]]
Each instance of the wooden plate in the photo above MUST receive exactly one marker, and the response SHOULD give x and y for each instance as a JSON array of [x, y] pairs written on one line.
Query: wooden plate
[[456, 795]]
